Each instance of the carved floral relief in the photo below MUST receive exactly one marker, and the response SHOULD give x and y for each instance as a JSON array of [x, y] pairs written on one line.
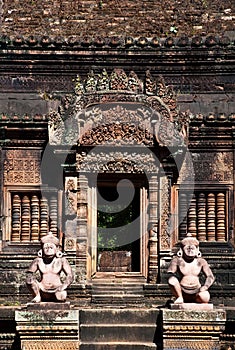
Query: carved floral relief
[[22, 167]]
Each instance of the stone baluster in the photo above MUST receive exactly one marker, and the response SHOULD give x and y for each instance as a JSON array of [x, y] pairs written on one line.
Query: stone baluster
[[53, 215], [192, 217], [43, 216], [35, 218], [25, 219], [182, 215], [201, 217], [211, 217], [220, 232], [16, 214]]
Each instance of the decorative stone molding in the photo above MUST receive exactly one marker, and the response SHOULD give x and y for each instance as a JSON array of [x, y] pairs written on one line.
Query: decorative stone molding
[[22, 167], [165, 198], [110, 161], [48, 327], [211, 119], [199, 330], [32, 42]]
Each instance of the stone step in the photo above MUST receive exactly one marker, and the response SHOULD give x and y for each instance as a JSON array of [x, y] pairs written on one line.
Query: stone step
[[118, 290], [129, 280], [118, 329], [118, 346], [117, 299], [119, 316], [117, 284], [117, 333]]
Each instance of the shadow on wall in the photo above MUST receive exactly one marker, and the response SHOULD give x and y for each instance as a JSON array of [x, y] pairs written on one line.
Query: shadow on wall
[[158, 336]]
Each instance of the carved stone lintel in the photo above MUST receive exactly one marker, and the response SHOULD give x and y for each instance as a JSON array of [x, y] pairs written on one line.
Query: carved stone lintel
[[108, 161]]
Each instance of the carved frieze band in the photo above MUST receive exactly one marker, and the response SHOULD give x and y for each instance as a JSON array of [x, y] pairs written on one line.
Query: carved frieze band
[[191, 344], [22, 167], [105, 161], [194, 316], [47, 344]]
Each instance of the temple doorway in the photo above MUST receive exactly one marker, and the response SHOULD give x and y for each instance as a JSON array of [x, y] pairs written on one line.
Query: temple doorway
[[120, 238]]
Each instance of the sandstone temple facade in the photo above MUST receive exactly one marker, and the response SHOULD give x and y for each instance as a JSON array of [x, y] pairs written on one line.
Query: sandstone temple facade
[[120, 146]]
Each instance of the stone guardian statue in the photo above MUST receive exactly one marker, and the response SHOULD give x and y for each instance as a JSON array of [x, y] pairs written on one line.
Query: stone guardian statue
[[185, 270], [50, 264]]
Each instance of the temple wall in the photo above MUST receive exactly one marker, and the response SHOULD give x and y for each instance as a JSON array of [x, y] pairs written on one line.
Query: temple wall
[[36, 75], [92, 18], [19, 102]]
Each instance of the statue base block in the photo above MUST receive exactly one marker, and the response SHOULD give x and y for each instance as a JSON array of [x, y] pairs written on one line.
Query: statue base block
[[192, 329], [192, 306], [48, 326], [48, 305]]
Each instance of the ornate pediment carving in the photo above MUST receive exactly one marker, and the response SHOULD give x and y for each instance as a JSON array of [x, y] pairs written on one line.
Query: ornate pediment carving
[[146, 109]]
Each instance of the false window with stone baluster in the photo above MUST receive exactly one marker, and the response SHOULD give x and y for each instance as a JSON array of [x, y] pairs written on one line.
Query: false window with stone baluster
[[31, 215], [204, 214]]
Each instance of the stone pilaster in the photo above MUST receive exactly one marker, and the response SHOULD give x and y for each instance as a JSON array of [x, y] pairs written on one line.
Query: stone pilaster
[[153, 232]]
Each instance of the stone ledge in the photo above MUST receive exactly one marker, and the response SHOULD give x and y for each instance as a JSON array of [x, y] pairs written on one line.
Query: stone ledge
[[191, 306]]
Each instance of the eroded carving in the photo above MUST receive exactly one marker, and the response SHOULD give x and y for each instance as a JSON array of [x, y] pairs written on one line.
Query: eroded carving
[[50, 263], [213, 166], [118, 134]]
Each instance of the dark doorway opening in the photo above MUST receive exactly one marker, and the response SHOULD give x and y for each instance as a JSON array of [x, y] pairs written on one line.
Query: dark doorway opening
[[118, 225]]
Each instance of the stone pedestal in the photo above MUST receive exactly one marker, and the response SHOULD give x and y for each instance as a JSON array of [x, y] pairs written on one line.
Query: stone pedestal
[[48, 326], [191, 329], [192, 306]]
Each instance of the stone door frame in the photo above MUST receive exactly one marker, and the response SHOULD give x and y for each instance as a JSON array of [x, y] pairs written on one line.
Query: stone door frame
[[92, 233]]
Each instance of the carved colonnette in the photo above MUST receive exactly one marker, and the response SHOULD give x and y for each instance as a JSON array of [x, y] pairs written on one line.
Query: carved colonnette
[[154, 229]]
